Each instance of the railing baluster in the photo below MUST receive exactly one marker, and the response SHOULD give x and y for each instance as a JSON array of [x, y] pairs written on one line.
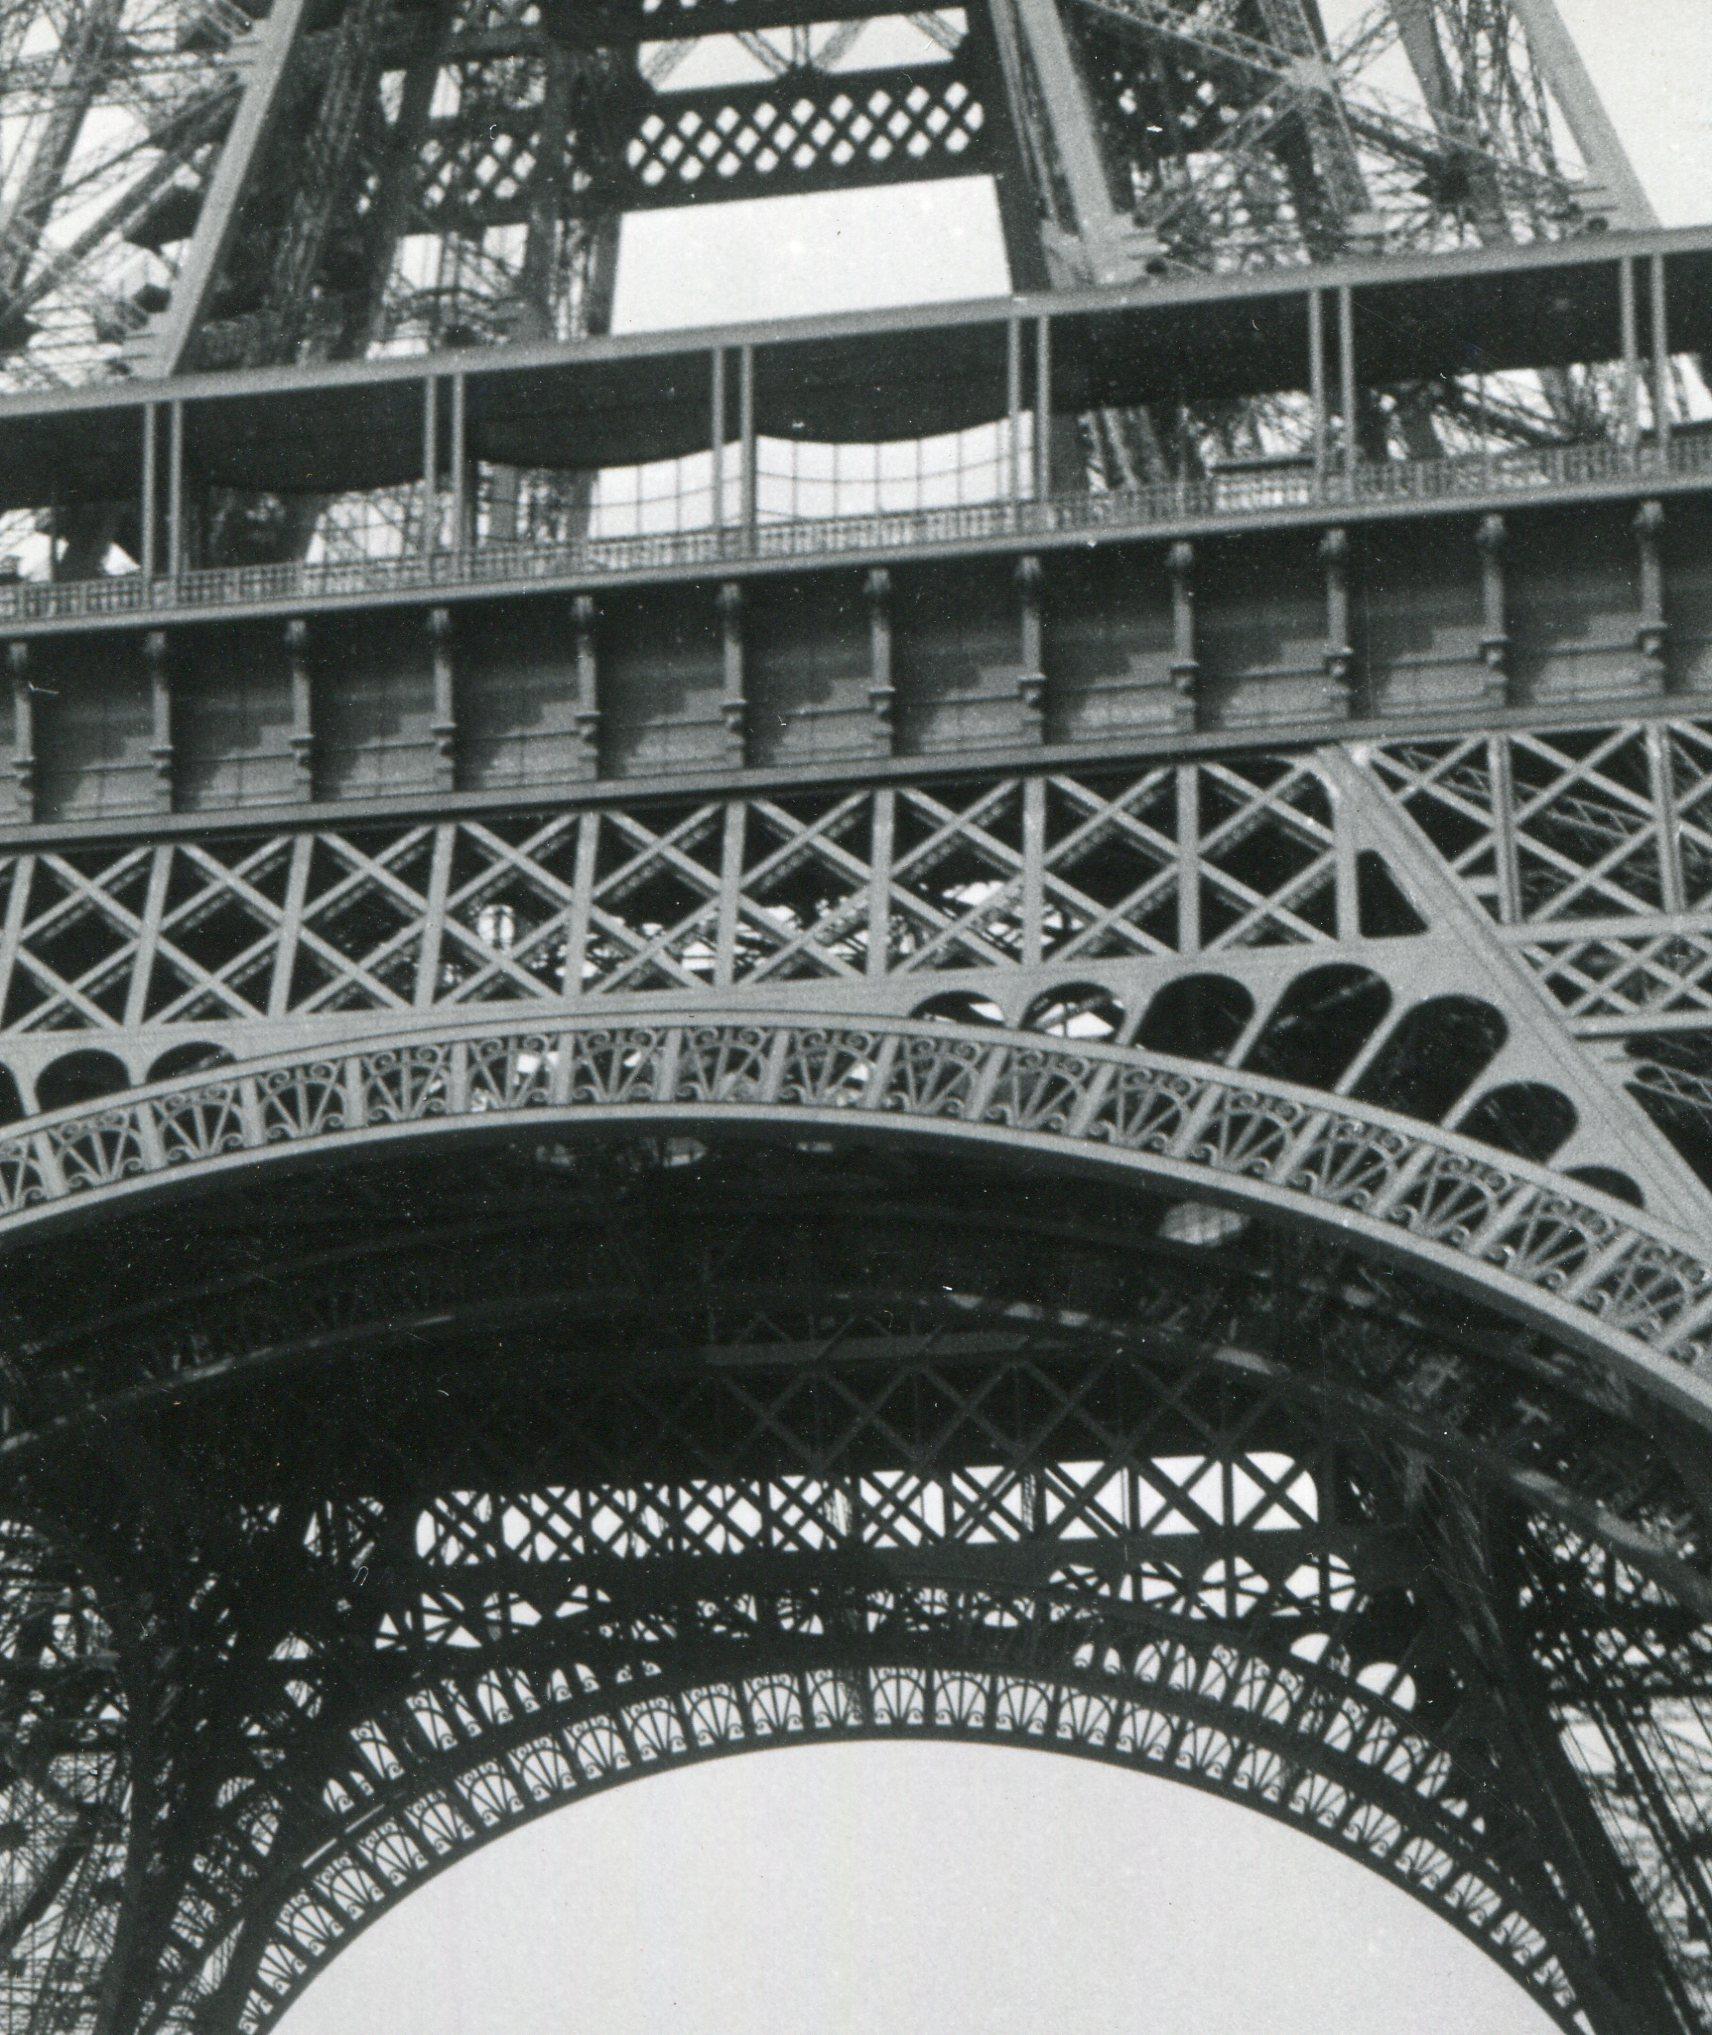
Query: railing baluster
[[1179, 501]]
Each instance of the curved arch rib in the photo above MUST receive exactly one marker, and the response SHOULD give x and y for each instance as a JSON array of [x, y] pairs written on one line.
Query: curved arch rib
[[1586, 1267]]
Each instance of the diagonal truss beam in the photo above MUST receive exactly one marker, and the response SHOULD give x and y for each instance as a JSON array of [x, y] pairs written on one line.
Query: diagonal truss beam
[[263, 93], [1595, 133], [1668, 1181]]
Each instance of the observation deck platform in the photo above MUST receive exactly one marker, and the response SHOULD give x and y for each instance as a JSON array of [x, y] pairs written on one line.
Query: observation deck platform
[[868, 540]]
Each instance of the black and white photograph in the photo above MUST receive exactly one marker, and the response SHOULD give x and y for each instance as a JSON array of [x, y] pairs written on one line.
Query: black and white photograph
[[856, 901]]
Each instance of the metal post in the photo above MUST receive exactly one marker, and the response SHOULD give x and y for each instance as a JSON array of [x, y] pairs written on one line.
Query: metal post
[[146, 547], [175, 488], [1043, 407], [716, 436], [1346, 379], [1013, 404], [430, 464], [1596, 137], [1659, 307], [1627, 318], [460, 462], [746, 427], [1317, 381]]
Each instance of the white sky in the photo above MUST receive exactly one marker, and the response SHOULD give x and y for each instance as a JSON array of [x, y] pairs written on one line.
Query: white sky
[[938, 1890], [841, 251]]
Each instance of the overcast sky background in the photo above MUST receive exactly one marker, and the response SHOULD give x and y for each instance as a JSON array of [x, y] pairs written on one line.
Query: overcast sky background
[[943, 1890]]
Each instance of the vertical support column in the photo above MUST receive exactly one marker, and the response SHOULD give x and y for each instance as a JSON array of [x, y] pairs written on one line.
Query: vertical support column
[[584, 616], [430, 464], [732, 849], [1507, 855], [302, 707], [1630, 324], [1490, 537], [1317, 392], [716, 436], [1340, 652], [282, 985], [733, 705], [1347, 393], [23, 732], [1346, 906], [148, 504], [1652, 634], [749, 484], [882, 687], [160, 716], [175, 488], [460, 461], [426, 989], [1185, 663], [574, 972], [1188, 860], [1667, 826], [1042, 409], [444, 725], [1031, 680], [1013, 408], [1658, 307], [1033, 871], [880, 881]]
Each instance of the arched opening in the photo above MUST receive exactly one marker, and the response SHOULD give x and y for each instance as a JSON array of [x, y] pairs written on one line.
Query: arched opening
[[1197, 1017], [80, 1077], [1433, 1055], [961, 1080], [1319, 1025], [198, 1057], [1608, 1180], [1525, 1117], [1080, 1010], [960, 1007], [860, 1889], [1114, 1551]]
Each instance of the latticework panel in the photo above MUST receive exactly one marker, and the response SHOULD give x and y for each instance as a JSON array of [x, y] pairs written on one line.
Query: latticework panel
[[1236, 855], [244, 183], [694, 1499]]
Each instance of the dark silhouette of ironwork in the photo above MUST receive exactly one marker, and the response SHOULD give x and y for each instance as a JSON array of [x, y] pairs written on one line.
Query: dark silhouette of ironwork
[[991, 1022]]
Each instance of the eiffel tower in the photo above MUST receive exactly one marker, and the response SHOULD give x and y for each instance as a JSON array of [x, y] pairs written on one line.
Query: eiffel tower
[[988, 1021]]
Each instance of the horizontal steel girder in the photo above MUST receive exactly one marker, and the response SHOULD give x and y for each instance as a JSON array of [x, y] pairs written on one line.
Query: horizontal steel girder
[[805, 131]]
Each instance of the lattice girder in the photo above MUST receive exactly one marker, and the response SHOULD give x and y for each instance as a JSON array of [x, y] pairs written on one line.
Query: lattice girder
[[1070, 1535], [1272, 884], [157, 208]]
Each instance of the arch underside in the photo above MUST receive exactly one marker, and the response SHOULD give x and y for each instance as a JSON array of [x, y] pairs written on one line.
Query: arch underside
[[471, 1476], [1611, 1279]]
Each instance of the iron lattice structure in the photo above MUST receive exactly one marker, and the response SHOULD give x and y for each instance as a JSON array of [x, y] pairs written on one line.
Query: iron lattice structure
[[1188, 1251], [195, 182]]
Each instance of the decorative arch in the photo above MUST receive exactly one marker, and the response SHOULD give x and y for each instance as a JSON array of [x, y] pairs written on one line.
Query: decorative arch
[[1584, 1265], [1320, 1023], [80, 1077], [1197, 1017], [1213, 1717], [1106, 1502]]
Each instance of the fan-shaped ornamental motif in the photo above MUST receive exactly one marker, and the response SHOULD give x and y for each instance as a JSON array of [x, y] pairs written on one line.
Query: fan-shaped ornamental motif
[[1594, 1268], [988, 1020]]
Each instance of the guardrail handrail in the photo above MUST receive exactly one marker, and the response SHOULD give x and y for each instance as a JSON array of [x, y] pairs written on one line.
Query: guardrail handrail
[[1201, 498]]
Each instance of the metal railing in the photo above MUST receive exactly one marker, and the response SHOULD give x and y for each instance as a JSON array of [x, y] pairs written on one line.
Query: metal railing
[[1204, 499]]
